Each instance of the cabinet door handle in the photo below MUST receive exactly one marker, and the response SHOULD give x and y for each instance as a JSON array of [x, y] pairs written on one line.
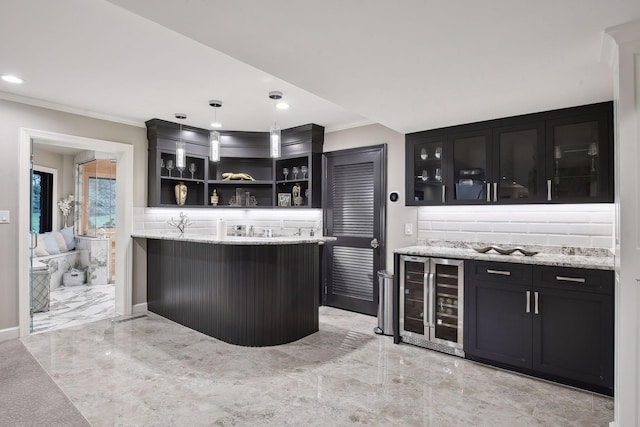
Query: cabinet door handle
[[548, 189], [571, 279], [535, 303], [528, 308], [488, 192], [495, 191], [444, 191], [500, 272]]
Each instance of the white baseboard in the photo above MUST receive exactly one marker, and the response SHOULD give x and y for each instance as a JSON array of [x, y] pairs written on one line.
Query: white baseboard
[[139, 308], [9, 333]]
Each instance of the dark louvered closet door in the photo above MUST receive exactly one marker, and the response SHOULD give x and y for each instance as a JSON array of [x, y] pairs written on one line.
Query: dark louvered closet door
[[354, 214]]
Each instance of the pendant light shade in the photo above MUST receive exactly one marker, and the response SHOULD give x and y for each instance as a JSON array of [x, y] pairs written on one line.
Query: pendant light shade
[[181, 156], [274, 134], [214, 136], [214, 146]]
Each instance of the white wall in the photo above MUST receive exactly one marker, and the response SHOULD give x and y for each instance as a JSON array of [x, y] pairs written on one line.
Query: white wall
[[584, 225], [66, 174], [13, 117], [397, 213]]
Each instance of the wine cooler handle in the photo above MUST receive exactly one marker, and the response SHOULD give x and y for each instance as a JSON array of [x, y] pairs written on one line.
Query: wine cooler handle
[[495, 191], [425, 300], [548, 189], [488, 192], [535, 303], [528, 308], [444, 192], [432, 300]]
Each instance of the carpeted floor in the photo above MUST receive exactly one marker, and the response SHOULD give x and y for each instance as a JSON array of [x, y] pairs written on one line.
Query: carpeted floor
[[28, 396]]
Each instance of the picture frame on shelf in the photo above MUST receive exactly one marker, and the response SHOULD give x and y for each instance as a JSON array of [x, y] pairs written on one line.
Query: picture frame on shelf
[[284, 200]]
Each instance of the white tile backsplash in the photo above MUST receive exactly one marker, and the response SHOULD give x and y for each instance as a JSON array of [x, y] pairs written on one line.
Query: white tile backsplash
[[282, 221], [583, 225]]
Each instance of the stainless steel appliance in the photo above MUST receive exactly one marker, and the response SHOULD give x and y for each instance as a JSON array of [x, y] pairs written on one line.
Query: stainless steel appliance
[[432, 303]]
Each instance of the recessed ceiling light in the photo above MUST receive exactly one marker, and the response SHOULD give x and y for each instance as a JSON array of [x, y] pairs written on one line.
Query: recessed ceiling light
[[216, 125], [281, 105], [12, 79]]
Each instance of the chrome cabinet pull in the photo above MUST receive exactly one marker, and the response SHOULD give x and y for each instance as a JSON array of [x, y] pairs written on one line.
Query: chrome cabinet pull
[[535, 303], [444, 191], [548, 189], [495, 191], [571, 279], [488, 192], [500, 272], [528, 308]]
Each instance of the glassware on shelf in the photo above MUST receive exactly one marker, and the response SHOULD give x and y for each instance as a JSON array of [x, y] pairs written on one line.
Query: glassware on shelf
[[423, 154], [161, 165], [425, 175], [304, 171], [169, 166], [285, 172], [438, 175], [294, 171], [192, 169], [438, 152]]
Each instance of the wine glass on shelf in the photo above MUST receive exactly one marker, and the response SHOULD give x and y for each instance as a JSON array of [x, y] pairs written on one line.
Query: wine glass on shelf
[[169, 166], [192, 169], [285, 172], [294, 171], [304, 171], [161, 165], [180, 169]]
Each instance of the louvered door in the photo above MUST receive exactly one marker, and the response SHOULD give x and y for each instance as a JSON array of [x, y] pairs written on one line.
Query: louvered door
[[354, 212]]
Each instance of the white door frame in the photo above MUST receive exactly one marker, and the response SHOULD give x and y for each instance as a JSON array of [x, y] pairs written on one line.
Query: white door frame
[[124, 214]]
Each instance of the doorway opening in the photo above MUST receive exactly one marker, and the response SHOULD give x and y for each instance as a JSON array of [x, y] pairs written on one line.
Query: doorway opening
[[100, 216]]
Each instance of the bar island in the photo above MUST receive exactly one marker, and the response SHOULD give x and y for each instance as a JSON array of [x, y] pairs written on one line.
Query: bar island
[[249, 291]]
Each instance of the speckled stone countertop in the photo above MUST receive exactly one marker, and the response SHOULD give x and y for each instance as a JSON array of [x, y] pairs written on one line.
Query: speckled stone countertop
[[199, 237], [599, 259]]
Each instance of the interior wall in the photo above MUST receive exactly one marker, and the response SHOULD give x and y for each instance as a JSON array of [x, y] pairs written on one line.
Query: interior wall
[[64, 165], [13, 117], [397, 213]]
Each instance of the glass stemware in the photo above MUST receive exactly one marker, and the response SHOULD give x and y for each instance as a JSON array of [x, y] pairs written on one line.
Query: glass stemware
[[294, 171], [285, 172], [304, 171], [161, 165], [425, 175], [192, 169], [423, 154], [169, 166]]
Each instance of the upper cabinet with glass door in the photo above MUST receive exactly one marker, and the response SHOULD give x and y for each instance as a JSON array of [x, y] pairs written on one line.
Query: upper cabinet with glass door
[[559, 156]]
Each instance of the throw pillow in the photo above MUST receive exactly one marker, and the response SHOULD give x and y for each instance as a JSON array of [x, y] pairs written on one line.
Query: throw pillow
[[67, 233], [62, 245], [40, 249], [51, 244]]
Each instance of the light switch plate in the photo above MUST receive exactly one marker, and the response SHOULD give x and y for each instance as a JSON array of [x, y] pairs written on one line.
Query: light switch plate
[[4, 217], [408, 229]]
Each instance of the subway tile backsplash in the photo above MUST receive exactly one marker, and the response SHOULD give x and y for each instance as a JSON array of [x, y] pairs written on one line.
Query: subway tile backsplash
[[581, 225], [282, 221]]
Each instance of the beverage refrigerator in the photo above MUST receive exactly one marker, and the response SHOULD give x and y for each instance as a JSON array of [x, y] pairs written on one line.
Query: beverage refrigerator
[[432, 303]]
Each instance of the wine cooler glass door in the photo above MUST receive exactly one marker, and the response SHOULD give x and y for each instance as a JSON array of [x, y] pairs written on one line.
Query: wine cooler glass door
[[413, 313], [446, 284]]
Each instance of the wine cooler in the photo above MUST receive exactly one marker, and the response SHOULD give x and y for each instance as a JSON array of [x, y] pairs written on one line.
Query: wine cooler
[[432, 303]]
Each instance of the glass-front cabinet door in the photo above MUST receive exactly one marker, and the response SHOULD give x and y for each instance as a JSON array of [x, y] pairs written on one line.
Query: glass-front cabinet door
[[578, 158], [471, 164], [429, 180], [518, 155]]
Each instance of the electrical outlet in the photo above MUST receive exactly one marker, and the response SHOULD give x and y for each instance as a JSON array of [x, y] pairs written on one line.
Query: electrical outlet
[[4, 217], [408, 229]]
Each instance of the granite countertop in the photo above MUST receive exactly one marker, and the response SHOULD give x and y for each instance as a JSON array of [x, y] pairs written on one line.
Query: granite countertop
[[204, 237], [599, 259]]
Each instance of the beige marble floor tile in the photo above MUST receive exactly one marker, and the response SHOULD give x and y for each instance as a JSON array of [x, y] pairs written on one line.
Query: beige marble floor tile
[[152, 372]]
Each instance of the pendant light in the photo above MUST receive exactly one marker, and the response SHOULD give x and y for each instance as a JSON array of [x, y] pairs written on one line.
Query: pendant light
[[181, 158], [214, 136], [274, 131]]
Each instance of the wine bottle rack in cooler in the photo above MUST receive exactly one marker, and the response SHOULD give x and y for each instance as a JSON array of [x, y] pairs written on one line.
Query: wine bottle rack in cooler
[[431, 303]]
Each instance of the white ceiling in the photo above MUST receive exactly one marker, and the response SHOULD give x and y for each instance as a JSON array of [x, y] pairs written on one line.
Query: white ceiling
[[409, 65]]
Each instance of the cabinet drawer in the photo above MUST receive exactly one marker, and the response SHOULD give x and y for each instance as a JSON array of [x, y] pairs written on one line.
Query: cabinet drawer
[[578, 279], [500, 272]]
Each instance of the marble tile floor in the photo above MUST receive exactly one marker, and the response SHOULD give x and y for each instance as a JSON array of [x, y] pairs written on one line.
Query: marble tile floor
[[75, 305], [148, 371]]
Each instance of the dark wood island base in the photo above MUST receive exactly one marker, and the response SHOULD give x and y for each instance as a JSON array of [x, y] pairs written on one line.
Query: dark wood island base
[[250, 295]]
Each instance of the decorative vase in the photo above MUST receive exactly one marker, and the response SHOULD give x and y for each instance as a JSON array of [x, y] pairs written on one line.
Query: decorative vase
[[181, 194], [65, 221], [215, 198]]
